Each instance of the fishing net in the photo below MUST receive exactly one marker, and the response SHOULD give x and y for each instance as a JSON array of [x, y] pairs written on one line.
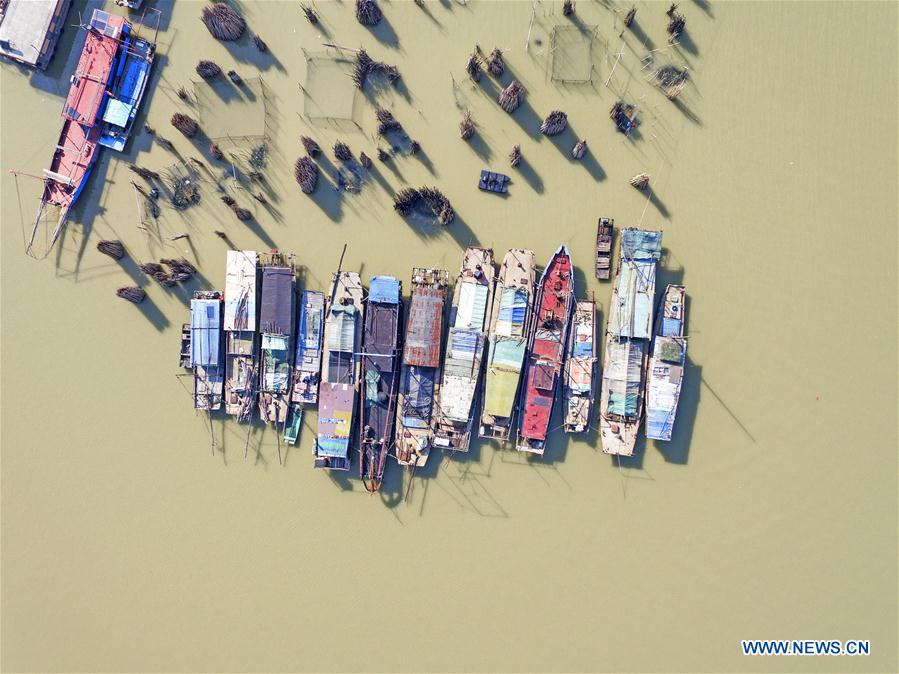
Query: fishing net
[[183, 184], [572, 53], [330, 93], [229, 111]]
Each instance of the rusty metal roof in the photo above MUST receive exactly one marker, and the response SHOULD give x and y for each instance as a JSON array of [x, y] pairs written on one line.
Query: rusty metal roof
[[424, 329]]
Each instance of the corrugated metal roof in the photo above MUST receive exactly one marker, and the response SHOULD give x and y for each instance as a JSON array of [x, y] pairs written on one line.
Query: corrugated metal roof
[[277, 301], [424, 328], [632, 301], [205, 332]]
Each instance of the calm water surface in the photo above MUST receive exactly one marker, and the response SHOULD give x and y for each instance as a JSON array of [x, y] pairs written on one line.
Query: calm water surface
[[129, 545]]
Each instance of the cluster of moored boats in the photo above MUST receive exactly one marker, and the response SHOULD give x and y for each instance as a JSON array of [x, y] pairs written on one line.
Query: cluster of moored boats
[[489, 354]]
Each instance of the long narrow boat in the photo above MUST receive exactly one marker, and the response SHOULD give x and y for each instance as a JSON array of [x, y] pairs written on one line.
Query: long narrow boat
[[604, 248], [546, 351], [380, 368], [307, 361], [206, 349], [472, 300], [420, 375], [340, 374], [666, 366], [78, 145], [184, 360], [240, 333], [628, 333], [127, 89], [276, 327], [580, 368], [510, 319]]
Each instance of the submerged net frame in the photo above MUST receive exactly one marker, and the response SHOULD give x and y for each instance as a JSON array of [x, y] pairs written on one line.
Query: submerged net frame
[[229, 111], [572, 53], [329, 91]]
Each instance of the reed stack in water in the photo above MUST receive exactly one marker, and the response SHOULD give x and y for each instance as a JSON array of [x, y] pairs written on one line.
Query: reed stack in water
[[554, 124], [208, 69], [223, 21], [132, 294], [367, 12], [185, 124], [511, 97], [306, 173]]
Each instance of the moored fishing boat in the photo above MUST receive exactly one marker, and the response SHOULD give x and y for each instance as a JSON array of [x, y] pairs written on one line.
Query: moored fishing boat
[[380, 378], [184, 360], [628, 332], [472, 298], [604, 248], [340, 373], [580, 368], [206, 349], [546, 351], [240, 333], [666, 366], [275, 327], [420, 374], [510, 320], [293, 424], [77, 148], [307, 364], [127, 88]]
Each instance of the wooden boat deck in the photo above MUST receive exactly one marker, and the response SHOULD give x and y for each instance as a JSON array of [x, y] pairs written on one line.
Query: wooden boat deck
[[604, 248]]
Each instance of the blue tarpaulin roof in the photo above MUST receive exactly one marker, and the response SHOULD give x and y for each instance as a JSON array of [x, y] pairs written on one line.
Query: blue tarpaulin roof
[[384, 289], [640, 244], [205, 328]]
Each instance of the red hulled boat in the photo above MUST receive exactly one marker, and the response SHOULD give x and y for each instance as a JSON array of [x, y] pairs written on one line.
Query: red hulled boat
[[546, 351], [77, 147]]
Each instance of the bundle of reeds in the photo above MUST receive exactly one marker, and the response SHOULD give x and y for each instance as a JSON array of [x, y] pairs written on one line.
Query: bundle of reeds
[[365, 160], [386, 121], [260, 43], [146, 174], [466, 126], [312, 148], [579, 149], [227, 199], [260, 197], [473, 67], [180, 277], [216, 151], [554, 124], [234, 77], [165, 142], [568, 8], [182, 93], [132, 294], [179, 266], [311, 16], [640, 181], [511, 97], [223, 21], [495, 63], [383, 155], [515, 156], [676, 22], [367, 12], [185, 124], [630, 16], [114, 249], [414, 147], [241, 213], [149, 129], [342, 151], [208, 69], [306, 173], [150, 268], [366, 65], [426, 200], [184, 193], [164, 279]]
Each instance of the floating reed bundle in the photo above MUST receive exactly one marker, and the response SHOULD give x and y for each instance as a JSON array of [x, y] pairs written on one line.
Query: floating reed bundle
[[414, 147], [185, 124], [473, 67], [260, 43], [149, 129], [146, 174], [365, 160], [234, 77], [579, 149], [223, 21], [386, 121], [150, 268], [367, 12], [676, 22], [515, 156], [216, 151], [671, 80], [466, 127], [311, 16], [180, 266], [312, 148], [241, 213], [640, 181], [426, 200], [165, 279], [208, 69], [306, 173], [228, 200], [630, 16], [568, 8], [184, 193], [165, 142], [366, 65], [383, 155], [511, 97], [114, 249], [182, 93], [260, 197], [554, 124], [495, 63], [342, 151], [132, 294]]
